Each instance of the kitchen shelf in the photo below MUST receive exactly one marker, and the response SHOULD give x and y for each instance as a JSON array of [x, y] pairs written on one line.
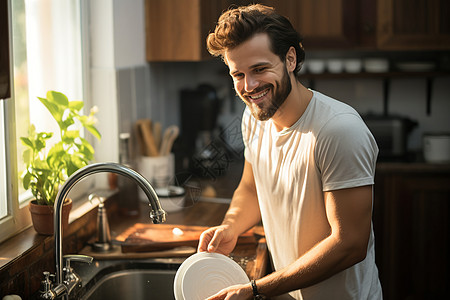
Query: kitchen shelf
[[368, 75], [386, 77]]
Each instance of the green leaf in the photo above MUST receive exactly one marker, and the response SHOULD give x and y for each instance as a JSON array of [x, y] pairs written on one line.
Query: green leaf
[[53, 108], [26, 141], [76, 105], [54, 156], [86, 149], [58, 98], [66, 123], [26, 179], [27, 156], [73, 134], [39, 144], [94, 131]]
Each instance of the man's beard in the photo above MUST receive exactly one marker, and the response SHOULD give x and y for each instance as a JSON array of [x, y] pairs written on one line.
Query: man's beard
[[265, 110]]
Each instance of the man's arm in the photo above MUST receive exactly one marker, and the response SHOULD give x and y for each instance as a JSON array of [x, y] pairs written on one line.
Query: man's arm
[[242, 215], [349, 213]]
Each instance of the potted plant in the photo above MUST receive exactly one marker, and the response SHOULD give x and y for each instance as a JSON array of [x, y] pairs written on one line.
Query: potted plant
[[47, 169]]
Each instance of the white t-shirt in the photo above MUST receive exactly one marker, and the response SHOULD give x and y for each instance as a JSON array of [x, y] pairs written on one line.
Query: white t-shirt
[[328, 148]]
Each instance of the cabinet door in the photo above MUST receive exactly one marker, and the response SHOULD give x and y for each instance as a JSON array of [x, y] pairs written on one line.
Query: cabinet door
[[172, 30], [413, 25], [329, 24], [176, 30], [412, 229]]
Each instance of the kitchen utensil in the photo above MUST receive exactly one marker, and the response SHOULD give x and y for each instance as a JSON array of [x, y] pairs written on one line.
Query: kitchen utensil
[[436, 147], [157, 134], [145, 126], [140, 139], [204, 274], [170, 134]]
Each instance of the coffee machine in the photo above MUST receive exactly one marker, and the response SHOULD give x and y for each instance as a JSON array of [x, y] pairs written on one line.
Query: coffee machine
[[201, 147]]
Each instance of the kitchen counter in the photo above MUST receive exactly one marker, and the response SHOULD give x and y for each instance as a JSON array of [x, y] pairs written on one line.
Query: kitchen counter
[[252, 257], [414, 167]]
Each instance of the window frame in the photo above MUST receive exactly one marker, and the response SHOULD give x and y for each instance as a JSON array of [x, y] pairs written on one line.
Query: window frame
[[17, 216]]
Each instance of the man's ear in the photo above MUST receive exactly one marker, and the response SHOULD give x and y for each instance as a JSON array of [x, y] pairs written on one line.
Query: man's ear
[[291, 59]]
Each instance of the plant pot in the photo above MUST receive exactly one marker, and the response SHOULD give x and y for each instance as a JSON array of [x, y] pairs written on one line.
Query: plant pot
[[42, 217]]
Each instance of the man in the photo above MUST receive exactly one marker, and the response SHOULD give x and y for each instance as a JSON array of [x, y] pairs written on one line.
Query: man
[[308, 173]]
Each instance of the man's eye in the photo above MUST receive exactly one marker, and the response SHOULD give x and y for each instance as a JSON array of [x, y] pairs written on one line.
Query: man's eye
[[238, 75], [259, 70]]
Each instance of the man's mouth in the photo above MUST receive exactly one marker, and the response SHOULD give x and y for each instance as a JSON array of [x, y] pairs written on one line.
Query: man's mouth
[[258, 96]]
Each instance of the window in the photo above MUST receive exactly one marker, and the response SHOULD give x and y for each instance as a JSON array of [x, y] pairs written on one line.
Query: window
[[46, 40]]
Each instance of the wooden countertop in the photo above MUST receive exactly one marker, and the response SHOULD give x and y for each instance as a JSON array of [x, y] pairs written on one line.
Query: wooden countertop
[[253, 258]]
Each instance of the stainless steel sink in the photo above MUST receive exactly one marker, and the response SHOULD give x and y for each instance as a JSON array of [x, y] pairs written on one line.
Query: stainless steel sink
[[128, 280], [134, 284]]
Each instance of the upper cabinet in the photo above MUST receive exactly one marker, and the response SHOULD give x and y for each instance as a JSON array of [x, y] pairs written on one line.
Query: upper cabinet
[[413, 25], [331, 24], [177, 29]]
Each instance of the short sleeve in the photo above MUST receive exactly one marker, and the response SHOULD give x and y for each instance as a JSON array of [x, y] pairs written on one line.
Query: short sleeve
[[346, 153]]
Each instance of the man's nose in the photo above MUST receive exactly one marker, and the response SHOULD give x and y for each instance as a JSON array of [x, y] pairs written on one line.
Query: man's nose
[[250, 83]]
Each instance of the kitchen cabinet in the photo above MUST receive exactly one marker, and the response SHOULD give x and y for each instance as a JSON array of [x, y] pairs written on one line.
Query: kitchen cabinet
[[176, 30], [412, 229], [413, 25], [331, 24]]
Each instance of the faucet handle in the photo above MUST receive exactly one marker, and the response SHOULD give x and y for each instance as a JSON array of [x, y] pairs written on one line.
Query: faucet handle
[[77, 257]]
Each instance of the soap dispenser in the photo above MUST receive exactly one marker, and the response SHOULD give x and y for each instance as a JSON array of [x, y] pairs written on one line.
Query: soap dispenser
[[103, 240]]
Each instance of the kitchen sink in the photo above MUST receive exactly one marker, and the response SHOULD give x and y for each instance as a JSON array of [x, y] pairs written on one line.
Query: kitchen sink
[[134, 284], [127, 280]]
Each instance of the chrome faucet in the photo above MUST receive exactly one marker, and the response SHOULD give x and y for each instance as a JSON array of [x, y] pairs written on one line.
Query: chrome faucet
[[157, 214]]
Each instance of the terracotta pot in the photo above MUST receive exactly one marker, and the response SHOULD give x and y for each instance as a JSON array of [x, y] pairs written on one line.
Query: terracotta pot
[[42, 217]]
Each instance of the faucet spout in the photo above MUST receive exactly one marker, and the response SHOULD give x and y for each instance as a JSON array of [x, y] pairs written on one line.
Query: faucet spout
[[157, 214]]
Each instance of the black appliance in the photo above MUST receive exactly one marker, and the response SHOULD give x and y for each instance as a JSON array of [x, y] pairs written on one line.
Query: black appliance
[[391, 133], [201, 150]]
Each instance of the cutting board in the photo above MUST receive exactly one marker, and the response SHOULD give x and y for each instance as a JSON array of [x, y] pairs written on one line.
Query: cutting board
[[156, 237]]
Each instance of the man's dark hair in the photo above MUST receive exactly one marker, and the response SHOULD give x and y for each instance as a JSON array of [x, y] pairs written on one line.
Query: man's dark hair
[[238, 25]]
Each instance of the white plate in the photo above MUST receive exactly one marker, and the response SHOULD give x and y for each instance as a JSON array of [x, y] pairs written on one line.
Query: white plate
[[204, 274], [180, 273]]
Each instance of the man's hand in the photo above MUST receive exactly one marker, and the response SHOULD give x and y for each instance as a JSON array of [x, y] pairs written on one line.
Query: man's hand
[[220, 239], [235, 292]]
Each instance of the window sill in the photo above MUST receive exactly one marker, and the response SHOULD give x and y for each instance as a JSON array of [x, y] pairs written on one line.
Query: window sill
[[25, 241]]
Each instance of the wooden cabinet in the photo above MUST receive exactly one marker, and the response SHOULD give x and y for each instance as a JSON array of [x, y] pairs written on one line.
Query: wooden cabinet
[[176, 29], [413, 25], [331, 24], [412, 230]]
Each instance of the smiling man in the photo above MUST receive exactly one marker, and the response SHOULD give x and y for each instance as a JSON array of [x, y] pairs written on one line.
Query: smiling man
[[308, 173]]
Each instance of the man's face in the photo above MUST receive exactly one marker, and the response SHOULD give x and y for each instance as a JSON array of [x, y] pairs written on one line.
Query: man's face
[[260, 77]]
